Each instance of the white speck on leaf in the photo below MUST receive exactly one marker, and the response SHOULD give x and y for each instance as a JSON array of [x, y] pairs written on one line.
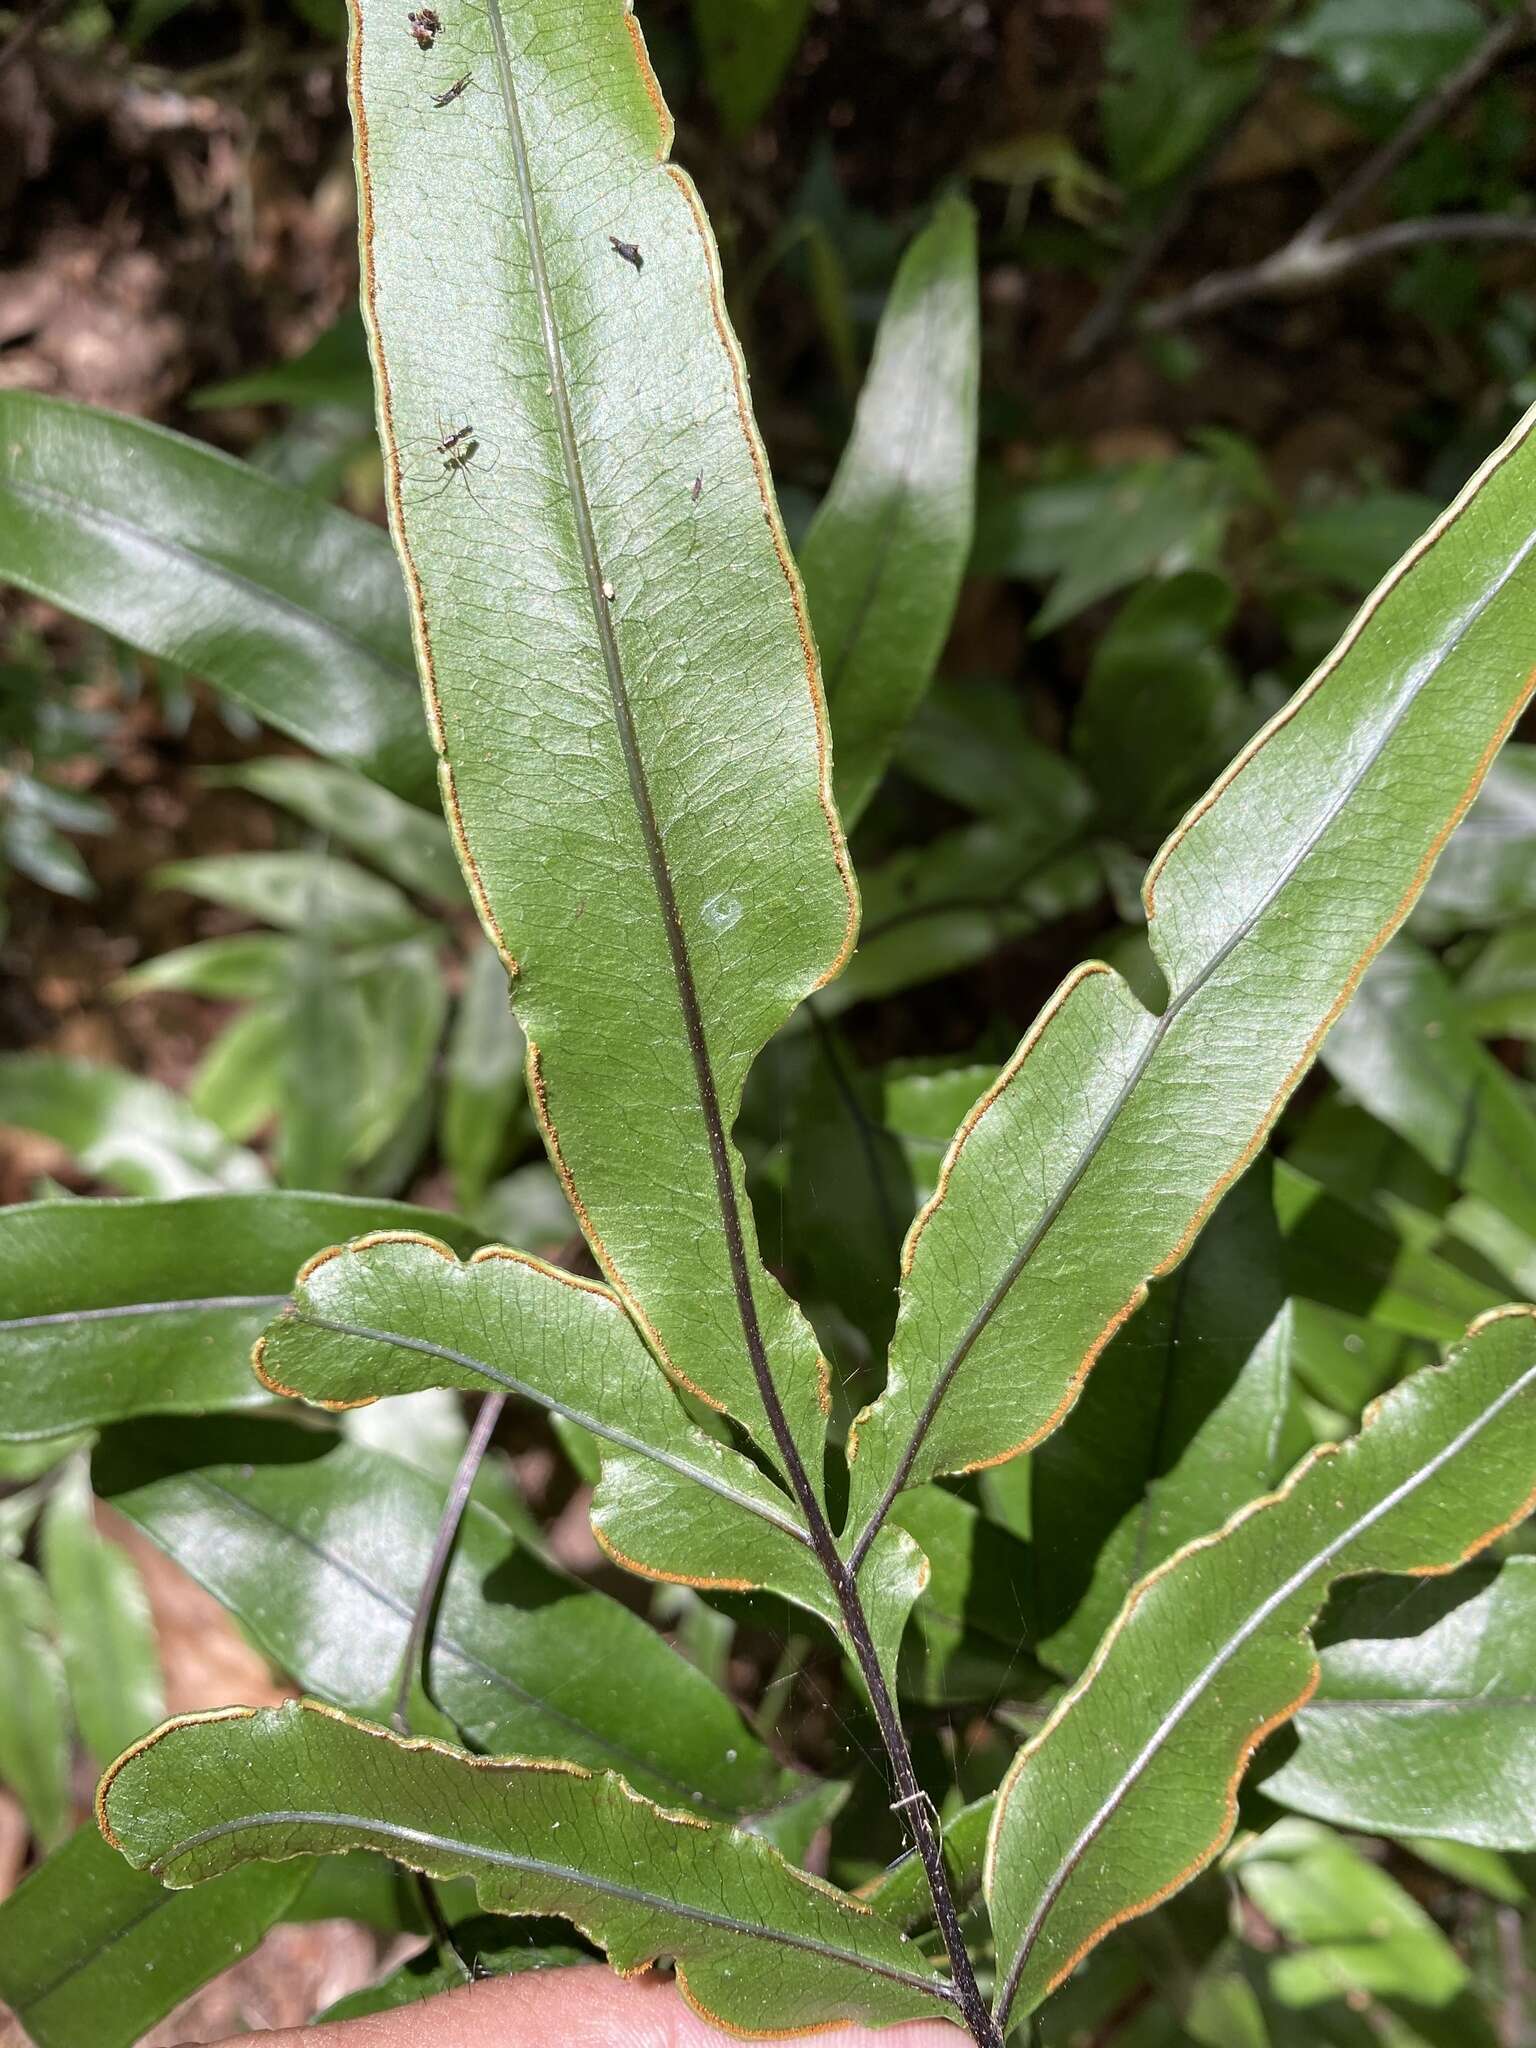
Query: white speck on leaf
[[721, 912]]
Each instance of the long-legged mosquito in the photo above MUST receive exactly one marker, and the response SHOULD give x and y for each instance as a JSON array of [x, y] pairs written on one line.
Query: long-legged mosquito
[[452, 455]]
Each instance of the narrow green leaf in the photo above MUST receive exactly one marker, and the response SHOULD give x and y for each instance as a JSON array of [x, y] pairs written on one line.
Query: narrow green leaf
[[758, 1945], [1407, 1053], [1184, 1420], [333, 370], [109, 1309], [901, 1895], [1497, 994], [1129, 1790], [405, 1003], [644, 814], [1112, 1133], [886, 552], [1354, 1927], [848, 1196], [935, 909], [105, 1633], [300, 892], [319, 1547], [747, 46], [411, 846], [256, 964], [238, 1082], [397, 1312], [1486, 876], [1160, 710], [122, 1128], [1342, 1256], [970, 740], [484, 1098], [289, 607], [34, 1704], [93, 1950], [1429, 1729], [921, 1111], [973, 1631]]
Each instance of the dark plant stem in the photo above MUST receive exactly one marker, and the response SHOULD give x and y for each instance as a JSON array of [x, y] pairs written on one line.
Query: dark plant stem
[[913, 1803], [911, 1799], [819, 1530], [486, 1419]]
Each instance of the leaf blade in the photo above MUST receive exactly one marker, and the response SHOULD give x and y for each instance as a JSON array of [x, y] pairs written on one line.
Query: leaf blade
[[820, 1956], [691, 784], [319, 1547], [288, 606], [398, 1313], [1442, 1466], [1428, 1732], [91, 1949], [1245, 916], [884, 557], [117, 1308]]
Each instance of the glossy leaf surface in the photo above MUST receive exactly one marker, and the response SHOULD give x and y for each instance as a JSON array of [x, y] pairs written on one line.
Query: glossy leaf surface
[[1427, 1729], [619, 673], [484, 1098], [1350, 1930], [887, 549], [395, 1314], [412, 846], [289, 607], [1407, 1053], [93, 1950], [110, 1309], [1130, 1788], [320, 1547], [105, 1633], [1183, 1422], [207, 1794], [299, 892], [1062, 1196], [121, 1127], [34, 1704]]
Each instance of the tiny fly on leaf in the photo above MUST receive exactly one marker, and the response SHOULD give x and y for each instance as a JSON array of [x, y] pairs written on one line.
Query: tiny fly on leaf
[[423, 24], [630, 251], [444, 99]]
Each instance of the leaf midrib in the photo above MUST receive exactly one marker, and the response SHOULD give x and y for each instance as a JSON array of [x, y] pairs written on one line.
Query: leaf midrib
[[700, 1476], [1237, 1641], [634, 766], [1419, 676], [200, 1305], [504, 1859]]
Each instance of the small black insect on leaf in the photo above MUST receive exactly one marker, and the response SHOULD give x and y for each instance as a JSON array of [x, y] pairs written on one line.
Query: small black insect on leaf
[[698, 488], [630, 251], [423, 23], [443, 99]]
